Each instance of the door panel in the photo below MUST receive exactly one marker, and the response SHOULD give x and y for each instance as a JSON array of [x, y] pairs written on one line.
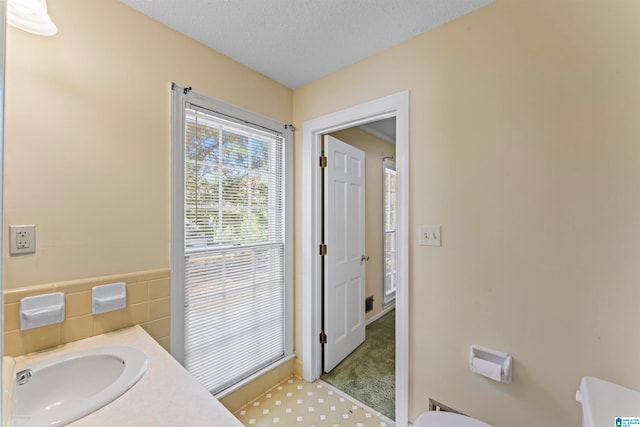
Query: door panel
[[344, 235]]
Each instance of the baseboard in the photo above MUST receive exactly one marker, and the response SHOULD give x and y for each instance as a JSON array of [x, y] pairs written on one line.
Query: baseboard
[[297, 368], [382, 313]]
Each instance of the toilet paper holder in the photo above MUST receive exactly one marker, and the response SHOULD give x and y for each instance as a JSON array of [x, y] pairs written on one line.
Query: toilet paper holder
[[491, 363]]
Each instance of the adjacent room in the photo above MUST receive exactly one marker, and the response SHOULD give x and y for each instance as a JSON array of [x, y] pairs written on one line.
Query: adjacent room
[[367, 372], [169, 203]]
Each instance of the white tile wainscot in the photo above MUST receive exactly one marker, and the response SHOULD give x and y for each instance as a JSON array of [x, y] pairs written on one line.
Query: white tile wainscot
[[165, 396]]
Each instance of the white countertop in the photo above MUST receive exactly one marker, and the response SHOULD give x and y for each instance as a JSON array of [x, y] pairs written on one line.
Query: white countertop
[[165, 396]]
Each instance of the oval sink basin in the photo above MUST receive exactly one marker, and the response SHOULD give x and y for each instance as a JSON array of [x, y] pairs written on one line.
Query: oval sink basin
[[70, 386]]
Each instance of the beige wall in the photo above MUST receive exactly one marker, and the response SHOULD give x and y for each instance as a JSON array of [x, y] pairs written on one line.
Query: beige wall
[[87, 161], [524, 147], [87, 136], [375, 149]]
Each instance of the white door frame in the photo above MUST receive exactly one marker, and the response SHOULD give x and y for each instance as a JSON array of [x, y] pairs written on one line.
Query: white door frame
[[310, 213]]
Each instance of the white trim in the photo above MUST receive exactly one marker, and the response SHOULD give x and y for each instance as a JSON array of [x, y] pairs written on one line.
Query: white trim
[[176, 166], [384, 311], [387, 163], [244, 382], [3, 44], [180, 99], [288, 240], [311, 222]]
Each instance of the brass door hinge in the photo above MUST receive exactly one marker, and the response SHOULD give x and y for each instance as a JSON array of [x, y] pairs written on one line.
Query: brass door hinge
[[323, 250], [323, 338], [323, 161]]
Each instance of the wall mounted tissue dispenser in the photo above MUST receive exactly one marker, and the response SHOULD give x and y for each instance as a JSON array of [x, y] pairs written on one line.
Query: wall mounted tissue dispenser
[[491, 363]]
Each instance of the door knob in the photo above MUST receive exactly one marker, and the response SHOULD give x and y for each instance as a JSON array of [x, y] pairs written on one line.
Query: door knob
[[364, 258]]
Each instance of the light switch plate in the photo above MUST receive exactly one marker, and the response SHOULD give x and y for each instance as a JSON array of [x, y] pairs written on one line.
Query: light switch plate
[[22, 239], [429, 235]]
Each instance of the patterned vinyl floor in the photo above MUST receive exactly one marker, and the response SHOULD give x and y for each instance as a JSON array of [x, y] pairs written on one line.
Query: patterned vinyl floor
[[298, 403]]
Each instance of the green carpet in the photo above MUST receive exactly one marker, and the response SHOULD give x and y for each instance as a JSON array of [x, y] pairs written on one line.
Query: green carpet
[[368, 374]]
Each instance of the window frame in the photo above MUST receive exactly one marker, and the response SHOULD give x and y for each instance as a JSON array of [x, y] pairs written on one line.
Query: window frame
[[388, 164], [182, 97]]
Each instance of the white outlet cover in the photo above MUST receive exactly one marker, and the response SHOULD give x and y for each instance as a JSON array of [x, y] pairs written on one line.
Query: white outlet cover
[[27, 242], [429, 235]]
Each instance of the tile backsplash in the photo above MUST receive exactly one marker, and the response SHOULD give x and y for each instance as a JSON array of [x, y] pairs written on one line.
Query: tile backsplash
[[148, 305]]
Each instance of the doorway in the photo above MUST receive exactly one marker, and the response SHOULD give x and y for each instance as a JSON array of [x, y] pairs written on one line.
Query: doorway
[[397, 106], [357, 268]]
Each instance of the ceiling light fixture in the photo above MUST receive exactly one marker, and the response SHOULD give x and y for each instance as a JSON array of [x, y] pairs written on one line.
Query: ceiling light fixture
[[31, 16]]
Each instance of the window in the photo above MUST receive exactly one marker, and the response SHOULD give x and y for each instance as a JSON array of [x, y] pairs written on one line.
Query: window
[[231, 233], [389, 219]]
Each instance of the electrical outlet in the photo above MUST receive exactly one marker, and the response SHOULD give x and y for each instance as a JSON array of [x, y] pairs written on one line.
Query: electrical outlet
[[22, 239], [429, 235]]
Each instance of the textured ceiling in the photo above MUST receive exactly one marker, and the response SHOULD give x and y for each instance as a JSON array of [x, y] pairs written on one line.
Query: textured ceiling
[[295, 42]]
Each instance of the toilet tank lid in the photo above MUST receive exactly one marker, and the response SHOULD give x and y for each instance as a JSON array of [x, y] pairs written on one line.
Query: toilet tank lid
[[603, 401], [446, 419]]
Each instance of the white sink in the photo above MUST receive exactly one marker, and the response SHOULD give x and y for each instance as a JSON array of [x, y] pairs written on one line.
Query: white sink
[[65, 388]]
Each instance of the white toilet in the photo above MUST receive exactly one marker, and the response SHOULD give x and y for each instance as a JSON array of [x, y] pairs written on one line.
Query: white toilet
[[603, 402], [446, 419]]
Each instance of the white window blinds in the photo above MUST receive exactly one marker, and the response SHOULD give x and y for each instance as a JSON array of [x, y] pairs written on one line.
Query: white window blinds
[[234, 267]]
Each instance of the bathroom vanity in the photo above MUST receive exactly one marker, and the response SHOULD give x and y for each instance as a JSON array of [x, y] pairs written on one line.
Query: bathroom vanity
[[166, 395]]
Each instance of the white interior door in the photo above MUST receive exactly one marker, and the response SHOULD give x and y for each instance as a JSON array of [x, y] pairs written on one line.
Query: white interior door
[[344, 320]]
